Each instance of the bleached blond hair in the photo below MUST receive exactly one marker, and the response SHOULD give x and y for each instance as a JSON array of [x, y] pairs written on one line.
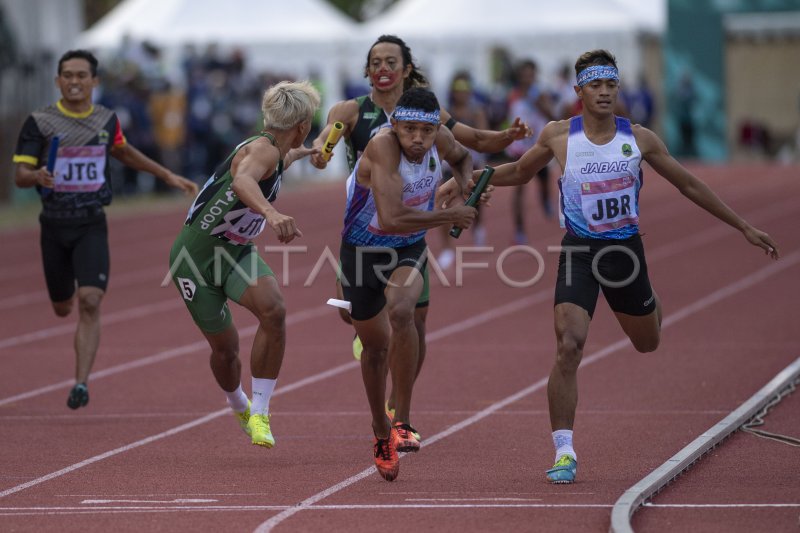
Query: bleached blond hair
[[288, 103]]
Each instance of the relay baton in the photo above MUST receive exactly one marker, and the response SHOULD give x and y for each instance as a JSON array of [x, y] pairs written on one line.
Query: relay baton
[[341, 304], [333, 137], [51, 161], [473, 199]]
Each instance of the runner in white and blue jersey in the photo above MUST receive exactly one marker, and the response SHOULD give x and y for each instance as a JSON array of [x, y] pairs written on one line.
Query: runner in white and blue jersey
[[390, 205], [391, 69], [600, 156]]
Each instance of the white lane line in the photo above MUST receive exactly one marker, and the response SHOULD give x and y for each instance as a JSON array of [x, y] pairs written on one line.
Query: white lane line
[[721, 505], [344, 414], [489, 315], [116, 451], [758, 216], [117, 282], [453, 500], [666, 250], [486, 316], [40, 511], [123, 315], [176, 500], [630, 500], [292, 318], [656, 214], [738, 286]]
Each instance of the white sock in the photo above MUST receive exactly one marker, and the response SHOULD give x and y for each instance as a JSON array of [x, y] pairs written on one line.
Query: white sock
[[237, 399], [562, 439], [262, 392]]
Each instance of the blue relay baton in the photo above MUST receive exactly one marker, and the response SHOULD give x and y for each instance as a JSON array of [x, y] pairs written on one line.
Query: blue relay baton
[[472, 201], [51, 161]]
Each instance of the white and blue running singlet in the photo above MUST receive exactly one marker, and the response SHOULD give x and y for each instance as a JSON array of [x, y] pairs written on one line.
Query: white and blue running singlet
[[600, 186], [361, 226]]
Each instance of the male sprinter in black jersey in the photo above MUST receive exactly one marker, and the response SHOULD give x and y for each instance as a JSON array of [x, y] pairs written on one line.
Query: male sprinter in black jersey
[[74, 238]]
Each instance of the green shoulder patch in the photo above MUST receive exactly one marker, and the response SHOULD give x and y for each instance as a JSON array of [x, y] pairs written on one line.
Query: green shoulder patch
[[627, 151]]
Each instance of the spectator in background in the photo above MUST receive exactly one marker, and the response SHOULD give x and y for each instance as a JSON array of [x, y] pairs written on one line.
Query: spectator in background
[[222, 97], [529, 101], [496, 101], [168, 111], [686, 97], [640, 104], [318, 120], [198, 122], [466, 109], [565, 101], [132, 107]]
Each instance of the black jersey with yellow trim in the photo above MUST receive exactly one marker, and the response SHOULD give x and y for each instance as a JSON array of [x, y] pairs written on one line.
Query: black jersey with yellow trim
[[99, 126]]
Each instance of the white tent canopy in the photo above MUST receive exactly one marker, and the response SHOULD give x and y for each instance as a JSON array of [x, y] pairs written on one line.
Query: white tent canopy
[[229, 22], [447, 35], [296, 38]]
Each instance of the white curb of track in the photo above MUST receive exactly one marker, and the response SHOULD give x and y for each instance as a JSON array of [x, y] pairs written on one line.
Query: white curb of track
[[634, 497]]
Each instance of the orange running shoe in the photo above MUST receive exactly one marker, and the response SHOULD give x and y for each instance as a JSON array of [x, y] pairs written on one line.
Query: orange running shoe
[[390, 415], [407, 437], [386, 459]]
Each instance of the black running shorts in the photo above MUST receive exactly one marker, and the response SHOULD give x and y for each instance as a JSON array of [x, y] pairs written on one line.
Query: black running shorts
[[617, 266], [363, 284], [74, 251]]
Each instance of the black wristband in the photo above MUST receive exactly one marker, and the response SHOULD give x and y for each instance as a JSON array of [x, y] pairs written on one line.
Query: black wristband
[[451, 123]]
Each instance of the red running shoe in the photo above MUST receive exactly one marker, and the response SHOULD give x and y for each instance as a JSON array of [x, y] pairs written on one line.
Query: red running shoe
[[386, 459], [407, 437]]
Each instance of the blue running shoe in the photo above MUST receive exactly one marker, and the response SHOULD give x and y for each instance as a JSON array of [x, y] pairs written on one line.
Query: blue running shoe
[[564, 471]]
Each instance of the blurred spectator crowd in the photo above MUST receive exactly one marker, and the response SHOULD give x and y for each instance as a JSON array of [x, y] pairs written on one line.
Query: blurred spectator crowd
[[191, 124]]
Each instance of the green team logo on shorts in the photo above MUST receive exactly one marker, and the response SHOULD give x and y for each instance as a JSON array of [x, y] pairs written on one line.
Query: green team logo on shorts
[[627, 151]]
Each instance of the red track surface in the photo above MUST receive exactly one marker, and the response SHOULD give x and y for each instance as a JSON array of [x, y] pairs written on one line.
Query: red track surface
[[157, 450]]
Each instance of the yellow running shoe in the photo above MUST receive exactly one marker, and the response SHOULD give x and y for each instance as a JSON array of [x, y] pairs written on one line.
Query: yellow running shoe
[[243, 419], [260, 432], [357, 348]]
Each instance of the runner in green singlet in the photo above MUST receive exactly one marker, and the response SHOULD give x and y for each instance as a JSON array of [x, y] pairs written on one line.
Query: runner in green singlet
[[213, 258]]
